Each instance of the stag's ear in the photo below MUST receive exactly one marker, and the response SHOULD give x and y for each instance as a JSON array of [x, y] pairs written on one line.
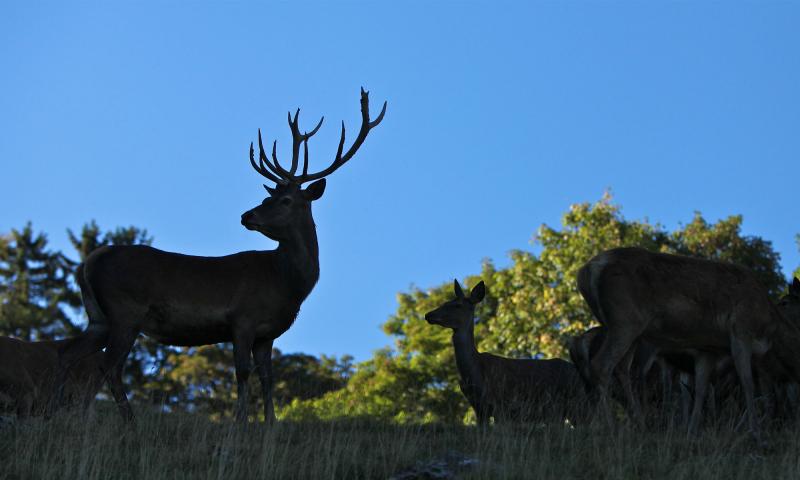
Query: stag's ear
[[270, 190], [315, 190], [795, 288], [477, 294], [457, 288]]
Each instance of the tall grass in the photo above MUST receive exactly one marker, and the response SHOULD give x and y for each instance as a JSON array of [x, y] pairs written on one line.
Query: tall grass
[[98, 445]]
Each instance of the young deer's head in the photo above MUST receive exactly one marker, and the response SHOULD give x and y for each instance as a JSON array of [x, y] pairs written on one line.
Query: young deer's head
[[460, 312], [288, 205]]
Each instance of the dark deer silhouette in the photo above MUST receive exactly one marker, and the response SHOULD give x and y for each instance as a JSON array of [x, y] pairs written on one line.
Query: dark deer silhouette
[[27, 372], [703, 308], [504, 388], [249, 298]]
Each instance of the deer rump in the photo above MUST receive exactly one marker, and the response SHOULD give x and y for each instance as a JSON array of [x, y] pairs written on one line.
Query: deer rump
[[677, 303]]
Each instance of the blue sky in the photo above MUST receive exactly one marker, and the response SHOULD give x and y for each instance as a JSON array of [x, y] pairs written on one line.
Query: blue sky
[[501, 115]]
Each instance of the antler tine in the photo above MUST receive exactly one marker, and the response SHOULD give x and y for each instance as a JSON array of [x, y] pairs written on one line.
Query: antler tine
[[263, 160], [298, 138], [366, 126], [276, 165], [260, 167], [305, 155]]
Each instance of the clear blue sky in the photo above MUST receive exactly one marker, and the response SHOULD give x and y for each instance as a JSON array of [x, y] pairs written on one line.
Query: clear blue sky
[[500, 116]]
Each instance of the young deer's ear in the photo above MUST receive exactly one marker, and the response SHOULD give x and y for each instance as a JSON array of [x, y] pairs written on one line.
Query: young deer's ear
[[270, 190], [795, 288], [315, 190], [477, 294], [457, 289]]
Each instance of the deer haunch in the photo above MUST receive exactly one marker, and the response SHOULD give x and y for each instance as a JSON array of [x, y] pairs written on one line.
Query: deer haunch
[[27, 372]]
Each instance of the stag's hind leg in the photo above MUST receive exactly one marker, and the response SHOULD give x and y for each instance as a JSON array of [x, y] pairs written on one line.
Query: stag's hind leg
[[262, 354], [119, 346]]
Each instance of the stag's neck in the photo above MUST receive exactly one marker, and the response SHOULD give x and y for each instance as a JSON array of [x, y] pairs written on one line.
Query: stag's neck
[[468, 363], [299, 256]]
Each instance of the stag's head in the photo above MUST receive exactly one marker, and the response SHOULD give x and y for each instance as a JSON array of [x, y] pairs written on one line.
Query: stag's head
[[288, 202], [459, 312], [789, 304]]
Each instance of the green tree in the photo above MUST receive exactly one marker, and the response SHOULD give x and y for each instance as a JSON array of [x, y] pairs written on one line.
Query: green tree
[[532, 307], [34, 287]]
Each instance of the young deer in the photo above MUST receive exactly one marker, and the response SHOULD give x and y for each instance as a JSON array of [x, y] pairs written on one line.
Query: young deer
[[504, 388]]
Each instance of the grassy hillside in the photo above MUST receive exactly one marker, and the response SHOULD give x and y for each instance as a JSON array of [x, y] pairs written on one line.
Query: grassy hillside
[[180, 445]]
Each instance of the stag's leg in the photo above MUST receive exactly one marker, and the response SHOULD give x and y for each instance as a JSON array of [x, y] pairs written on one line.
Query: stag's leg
[[703, 365], [262, 354], [242, 348], [742, 359], [119, 346]]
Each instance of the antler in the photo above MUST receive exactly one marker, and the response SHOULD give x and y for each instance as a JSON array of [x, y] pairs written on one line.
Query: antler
[[275, 172], [340, 159]]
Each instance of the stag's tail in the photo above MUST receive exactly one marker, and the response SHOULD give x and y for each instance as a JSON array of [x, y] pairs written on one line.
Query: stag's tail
[[98, 323]]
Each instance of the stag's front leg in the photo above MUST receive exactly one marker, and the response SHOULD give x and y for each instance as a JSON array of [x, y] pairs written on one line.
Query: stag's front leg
[[262, 353], [242, 346]]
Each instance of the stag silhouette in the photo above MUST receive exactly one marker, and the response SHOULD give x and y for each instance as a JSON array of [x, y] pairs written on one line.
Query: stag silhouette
[[248, 298]]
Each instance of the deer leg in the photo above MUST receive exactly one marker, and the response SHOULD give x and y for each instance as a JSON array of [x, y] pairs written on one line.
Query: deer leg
[[702, 372], [622, 373], [742, 354], [88, 343], [242, 349], [262, 354], [686, 396], [119, 346], [615, 346]]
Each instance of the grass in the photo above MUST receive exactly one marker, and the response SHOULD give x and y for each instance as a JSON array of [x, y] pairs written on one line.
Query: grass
[[98, 445]]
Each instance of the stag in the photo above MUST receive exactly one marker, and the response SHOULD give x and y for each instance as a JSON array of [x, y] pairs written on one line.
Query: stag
[[248, 298], [504, 388], [27, 371], [704, 308]]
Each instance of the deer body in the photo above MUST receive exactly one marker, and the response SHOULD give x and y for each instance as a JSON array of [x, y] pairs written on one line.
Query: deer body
[[252, 288], [27, 371], [681, 305], [503, 388], [248, 298]]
